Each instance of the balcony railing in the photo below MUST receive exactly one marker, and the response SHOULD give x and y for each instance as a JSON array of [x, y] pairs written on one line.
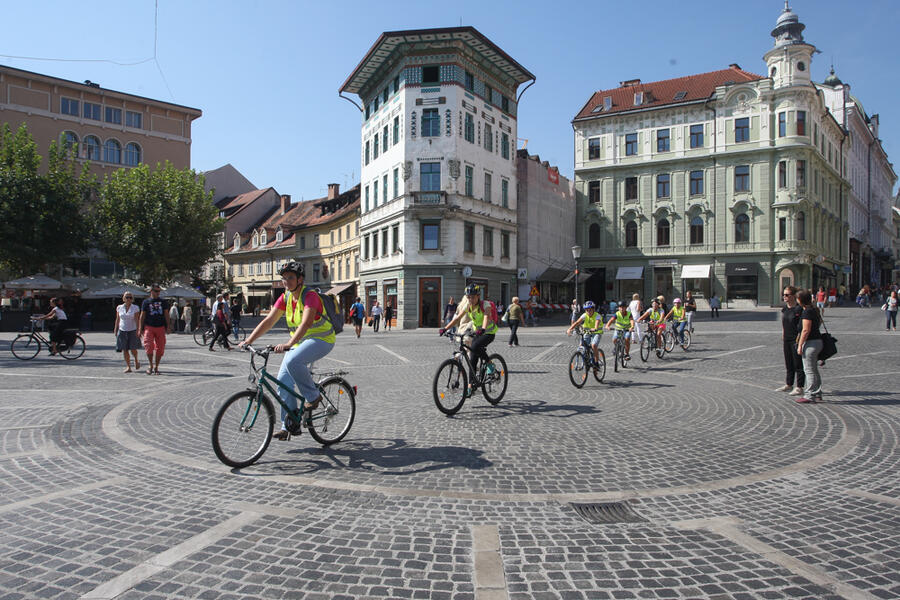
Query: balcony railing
[[429, 197]]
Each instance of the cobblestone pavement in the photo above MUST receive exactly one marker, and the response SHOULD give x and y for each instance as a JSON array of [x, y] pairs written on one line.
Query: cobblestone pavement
[[109, 487]]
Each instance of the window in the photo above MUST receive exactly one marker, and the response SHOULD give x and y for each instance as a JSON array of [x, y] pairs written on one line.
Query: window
[[385, 94], [396, 130], [504, 146], [315, 240], [488, 94], [697, 230], [366, 248], [782, 174], [504, 244], [801, 122], [662, 232], [801, 173], [782, 228], [431, 123], [630, 144], [470, 173], [696, 183], [91, 111], [91, 146], [469, 238], [112, 152], [134, 119], [367, 152], [302, 242], [279, 237], [132, 154], [470, 128], [593, 148], [488, 242], [332, 238], [742, 130], [696, 136], [504, 193], [69, 140], [470, 82], [384, 242], [594, 192], [430, 177], [431, 75], [375, 245], [395, 239], [366, 204], [384, 138], [396, 184], [504, 103], [431, 235], [631, 234], [662, 185], [662, 140], [801, 225], [488, 138], [67, 106], [384, 189], [594, 236], [113, 115], [742, 178], [374, 146], [396, 89], [487, 188], [375, 193], [782, 124], [631, 188], [741, 228], [315, 271]]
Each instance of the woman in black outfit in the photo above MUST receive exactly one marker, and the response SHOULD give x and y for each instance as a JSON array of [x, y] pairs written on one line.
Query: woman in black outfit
[[791, 326], [809, 346]]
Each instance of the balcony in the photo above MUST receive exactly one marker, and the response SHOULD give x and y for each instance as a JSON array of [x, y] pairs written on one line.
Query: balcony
[[429, 197]]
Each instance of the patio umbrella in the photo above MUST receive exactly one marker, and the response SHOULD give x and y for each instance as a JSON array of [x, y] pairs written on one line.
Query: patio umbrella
[[38, 281], [116, 291], [178, 291]]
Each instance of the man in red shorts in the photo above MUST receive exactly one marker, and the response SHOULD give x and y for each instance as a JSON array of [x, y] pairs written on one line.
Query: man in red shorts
[[153, 325]]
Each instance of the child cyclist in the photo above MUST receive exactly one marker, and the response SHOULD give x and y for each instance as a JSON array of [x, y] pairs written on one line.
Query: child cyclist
[[679, 318], [480, 313], [624, 324], [593, 329], [655, 318]]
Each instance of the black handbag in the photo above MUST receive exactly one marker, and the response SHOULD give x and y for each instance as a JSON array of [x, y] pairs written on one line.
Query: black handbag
[[829, 344]]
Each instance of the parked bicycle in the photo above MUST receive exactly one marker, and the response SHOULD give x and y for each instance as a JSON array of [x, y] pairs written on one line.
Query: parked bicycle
[[27, 345], [243, 427], [583, 361], [451, 381]]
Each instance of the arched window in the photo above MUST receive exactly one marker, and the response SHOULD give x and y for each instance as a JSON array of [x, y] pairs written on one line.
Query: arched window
[[255, 242], [741, 228], [801, 225], [662, 232], [69, 140], [697, 230], [594, 236], [91, 147], [631, 236], [112, 152], [132, 154], [279, 235], [263, 237]]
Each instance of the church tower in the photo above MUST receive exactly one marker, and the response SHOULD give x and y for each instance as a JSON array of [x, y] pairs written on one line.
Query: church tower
[[789, 61]]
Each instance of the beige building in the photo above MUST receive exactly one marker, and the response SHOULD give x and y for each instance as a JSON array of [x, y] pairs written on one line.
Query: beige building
[[112, 129]]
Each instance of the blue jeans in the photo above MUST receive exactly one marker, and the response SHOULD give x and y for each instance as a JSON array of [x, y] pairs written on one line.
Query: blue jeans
[[295, 371], [678, 327]]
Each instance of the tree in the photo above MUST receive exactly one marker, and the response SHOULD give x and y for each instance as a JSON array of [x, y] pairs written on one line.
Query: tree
[[160, 223], [43, 216]]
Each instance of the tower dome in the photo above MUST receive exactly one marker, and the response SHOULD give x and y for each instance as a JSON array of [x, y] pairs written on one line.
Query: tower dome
[[833, 80], [788, 28]]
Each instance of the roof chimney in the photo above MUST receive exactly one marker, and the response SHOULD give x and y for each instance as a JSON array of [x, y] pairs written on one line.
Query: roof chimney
[[630, 82], [735, 66], [285, 203], [334, 190]]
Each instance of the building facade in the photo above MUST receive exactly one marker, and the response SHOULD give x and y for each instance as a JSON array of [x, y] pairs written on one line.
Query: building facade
[[724, 182], [438, 199]]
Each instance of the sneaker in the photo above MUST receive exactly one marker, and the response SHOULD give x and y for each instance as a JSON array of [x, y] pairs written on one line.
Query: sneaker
[[797, 391], [803, 400], [784, 388], [282, 435]]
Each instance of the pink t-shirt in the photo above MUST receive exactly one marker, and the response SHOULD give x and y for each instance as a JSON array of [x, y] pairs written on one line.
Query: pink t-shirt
[[311, 301], [820, 296]]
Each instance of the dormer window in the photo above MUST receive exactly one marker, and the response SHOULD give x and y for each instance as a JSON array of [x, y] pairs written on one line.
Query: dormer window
[[607, 103], [279, 236], [638, 98], [262, 239], [237, 241], [255, 240]]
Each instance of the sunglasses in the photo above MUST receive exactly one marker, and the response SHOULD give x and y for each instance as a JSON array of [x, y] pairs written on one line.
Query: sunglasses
[[787, 295], [129, 297]]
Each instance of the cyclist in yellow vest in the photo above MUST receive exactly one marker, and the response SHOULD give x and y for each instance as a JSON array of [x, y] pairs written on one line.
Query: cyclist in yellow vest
[[624, 324], [679, 318], [592, 326], [312, 338], [655, 318], [485, 328]]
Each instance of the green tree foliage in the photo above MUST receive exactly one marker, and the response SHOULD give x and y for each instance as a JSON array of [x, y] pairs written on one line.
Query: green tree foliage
[[43, 215], [160, 223]]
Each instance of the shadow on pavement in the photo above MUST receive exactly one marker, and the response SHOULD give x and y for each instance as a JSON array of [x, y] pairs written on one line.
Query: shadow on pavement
[[483, 412]]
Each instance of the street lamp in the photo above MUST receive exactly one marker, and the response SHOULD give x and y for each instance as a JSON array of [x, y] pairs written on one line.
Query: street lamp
[[576, 254]]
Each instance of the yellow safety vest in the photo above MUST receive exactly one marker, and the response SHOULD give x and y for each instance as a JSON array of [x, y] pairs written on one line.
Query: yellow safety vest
[[590, 321], [655, 316], [623, 321], [320, 329], [476, 314], [678, 314]]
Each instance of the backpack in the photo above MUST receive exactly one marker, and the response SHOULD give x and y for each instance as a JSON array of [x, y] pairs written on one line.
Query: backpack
[[329, 303], [491, 310]]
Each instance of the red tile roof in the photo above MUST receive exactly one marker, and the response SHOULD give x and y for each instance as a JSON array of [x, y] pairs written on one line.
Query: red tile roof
[[665, 92]]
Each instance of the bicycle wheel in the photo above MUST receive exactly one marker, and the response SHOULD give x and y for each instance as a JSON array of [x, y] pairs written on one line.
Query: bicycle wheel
[[600, 370], [496, 378], [645, 347], [687, 340], [449, 386], [331, 420], [577, 370], [74, 351], [242, 429], [200, 336], [660, 351], [669, 339], [25, 347]]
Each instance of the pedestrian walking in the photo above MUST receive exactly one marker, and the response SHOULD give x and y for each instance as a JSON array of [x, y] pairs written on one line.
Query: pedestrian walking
[[357, 314], [125, 330], [714, 305], [376, 311], [821, 297], [690, 307], [842, 292], [832, 295], [791, 325], [516, 315], [235, 310], [153, 325], [809, 345], [220, 320], [890, 309], [575, 311], [636, 308], [449, 310], [388, 316], [187, 314], [174, 316], [58, 321]]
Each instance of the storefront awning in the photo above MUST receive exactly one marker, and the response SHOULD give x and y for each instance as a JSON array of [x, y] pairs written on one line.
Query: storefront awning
[[741, 268], [554, 275], [630, 273], [695, 271], [340, 288]]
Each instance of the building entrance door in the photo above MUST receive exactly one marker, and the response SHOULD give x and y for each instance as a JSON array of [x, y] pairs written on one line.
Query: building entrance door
[[430, 302], [662, 277]]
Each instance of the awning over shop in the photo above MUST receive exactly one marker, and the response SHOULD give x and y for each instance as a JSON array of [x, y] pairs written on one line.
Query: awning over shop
[[695, 271], [741, 268], [554, 275], [340, 288], [630, 273]]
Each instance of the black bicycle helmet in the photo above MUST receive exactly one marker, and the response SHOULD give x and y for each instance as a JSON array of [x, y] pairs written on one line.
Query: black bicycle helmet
[[473, 290], [291, 266], [623, 304]]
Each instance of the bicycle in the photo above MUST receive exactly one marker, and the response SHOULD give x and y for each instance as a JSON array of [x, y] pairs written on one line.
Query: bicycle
[[26, 346], [671, 338], [237, 334], [451, 381], [243, 426], [202, 336], [649, 342], [583, 360], [619, 350]]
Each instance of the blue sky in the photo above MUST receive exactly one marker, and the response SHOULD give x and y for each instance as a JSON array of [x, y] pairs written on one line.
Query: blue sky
[[266, 74]]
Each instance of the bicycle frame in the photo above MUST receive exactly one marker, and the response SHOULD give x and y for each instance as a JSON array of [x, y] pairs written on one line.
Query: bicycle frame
[[464, 350]]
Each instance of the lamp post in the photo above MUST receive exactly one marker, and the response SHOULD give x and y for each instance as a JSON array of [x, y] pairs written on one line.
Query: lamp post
[[576, 254]]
